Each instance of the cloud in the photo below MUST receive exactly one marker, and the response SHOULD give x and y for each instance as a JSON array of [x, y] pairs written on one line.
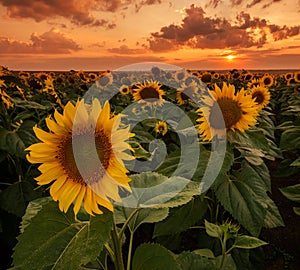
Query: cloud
[[216, 3], [200, 31], [78, 12], [142, 3], [124, 49], [51, 42]]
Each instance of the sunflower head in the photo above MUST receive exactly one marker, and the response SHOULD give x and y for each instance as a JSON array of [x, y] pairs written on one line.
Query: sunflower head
[[297, 77], [226, 110], [149, 93], [161, 128], [267, 80], [82, 157], [260, 95], [206, 77], [252, 83], [185, 92], [124, 89]]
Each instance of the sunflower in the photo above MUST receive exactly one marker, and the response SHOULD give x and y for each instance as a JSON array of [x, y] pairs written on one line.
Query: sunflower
[[124, 89], [267, 80], [290, 81], [185, 92], [260, 95], [6, 99], [206, 77], [105, 79], [288, 76], [248, 76], [238, 112], [77, 176], [149, 93], [252, 83], [297, 76], [161, 128], [180, 75]]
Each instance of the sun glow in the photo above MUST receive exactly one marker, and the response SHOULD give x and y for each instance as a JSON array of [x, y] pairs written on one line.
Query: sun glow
[[230, 57]]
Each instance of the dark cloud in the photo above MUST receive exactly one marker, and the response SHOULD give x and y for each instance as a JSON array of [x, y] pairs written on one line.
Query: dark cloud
[[79, 12], [200, 31], [142, 3], [215, 3], [51, 42], [124, 49]]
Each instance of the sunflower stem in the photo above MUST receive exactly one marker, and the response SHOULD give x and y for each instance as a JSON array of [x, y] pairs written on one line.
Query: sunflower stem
[[126, 222], [117, 247], [130, 250]]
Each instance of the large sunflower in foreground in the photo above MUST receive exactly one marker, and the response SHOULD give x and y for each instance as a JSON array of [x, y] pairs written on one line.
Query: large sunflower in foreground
[[148, 93], [224, 110], [260, 95], [66, 154]]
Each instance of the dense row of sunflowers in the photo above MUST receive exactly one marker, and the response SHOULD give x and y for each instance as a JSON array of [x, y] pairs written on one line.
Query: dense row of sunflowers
[[43, 117]]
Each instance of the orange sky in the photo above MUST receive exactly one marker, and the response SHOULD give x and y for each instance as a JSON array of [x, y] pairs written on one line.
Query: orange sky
[[108, 34]]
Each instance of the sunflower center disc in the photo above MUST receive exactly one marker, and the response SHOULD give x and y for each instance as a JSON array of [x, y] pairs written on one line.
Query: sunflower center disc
[[91, 169], [231, 112], [149, 93], [258, 97], [267, 81]]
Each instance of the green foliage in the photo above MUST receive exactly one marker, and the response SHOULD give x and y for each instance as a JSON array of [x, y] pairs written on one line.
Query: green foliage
[[54, 240], [154, 256]]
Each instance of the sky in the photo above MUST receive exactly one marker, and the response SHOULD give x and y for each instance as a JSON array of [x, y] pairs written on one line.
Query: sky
[[95, 35]]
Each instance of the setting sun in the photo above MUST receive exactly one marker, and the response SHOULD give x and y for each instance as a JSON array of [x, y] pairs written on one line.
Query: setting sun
[[230, 57]]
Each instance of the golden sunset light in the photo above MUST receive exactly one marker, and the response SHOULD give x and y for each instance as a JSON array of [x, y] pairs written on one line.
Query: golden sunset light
[[100, 35]]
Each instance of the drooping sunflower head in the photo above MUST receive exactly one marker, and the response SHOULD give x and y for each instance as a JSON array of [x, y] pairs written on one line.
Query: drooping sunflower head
[[82, 157], [161, 128], [148, 93], [260, 95], [226, 110], [267, 80]]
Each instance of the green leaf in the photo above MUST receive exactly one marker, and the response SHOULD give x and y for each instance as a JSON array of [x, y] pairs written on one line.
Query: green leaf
[[242, 201], [32, 209], [292, 192], [296, 162], [194, 261], [205, 252], [14, 199], [55, 240], [248, 242], [144, 215], [297, 210], [12, 143], [273, 218], [228, 264], [181, 218], [139, 151], [213, 230], [154, 190], [154, 256]]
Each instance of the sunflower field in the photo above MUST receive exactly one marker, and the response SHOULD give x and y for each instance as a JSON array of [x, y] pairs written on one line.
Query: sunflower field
[[180, 169]]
